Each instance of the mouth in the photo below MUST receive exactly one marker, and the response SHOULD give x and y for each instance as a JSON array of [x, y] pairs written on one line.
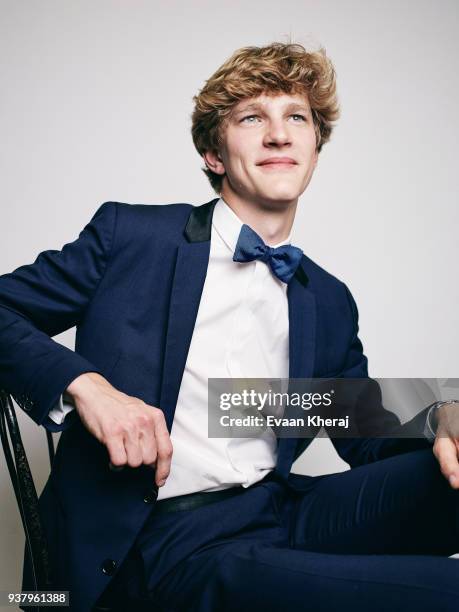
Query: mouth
[[278, 163]]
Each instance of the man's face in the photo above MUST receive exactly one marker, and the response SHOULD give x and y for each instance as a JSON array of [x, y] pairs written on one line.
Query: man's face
[[269, 149]]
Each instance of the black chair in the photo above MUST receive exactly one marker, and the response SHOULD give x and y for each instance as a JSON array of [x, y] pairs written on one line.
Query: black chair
[[24, 489], [26, 496]]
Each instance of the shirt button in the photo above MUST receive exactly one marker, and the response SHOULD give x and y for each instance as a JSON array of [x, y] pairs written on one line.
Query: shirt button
[[150, 497], [108, 567]]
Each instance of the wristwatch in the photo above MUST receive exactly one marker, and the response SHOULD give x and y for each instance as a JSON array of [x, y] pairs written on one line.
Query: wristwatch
[[429, 431]]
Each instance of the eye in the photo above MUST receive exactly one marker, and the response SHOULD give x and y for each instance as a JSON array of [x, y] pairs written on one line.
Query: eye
[[243, 120], [302, 117]]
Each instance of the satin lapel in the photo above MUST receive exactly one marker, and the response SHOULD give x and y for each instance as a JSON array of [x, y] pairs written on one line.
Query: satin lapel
[[302, 327], [302, 339], [189, 276]]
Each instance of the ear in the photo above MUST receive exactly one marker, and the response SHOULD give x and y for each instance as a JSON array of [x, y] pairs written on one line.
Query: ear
[[214, 162]]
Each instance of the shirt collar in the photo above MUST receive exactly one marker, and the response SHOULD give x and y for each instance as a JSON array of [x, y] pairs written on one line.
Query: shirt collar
[[228, 225]]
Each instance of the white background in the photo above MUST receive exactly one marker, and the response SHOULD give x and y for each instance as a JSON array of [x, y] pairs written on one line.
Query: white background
[[95, 105]]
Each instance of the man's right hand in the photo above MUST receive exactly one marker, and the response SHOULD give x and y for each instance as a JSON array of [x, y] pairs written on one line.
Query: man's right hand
[[133, 432]]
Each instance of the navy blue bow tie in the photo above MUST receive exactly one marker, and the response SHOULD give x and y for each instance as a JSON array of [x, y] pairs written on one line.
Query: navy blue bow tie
[[283, 260]]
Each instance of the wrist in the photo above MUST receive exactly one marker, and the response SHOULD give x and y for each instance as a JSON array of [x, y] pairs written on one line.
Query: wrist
[[84, 384], [441, 409]]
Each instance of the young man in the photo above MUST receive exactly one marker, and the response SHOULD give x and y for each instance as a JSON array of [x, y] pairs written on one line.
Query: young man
[[165, 297]]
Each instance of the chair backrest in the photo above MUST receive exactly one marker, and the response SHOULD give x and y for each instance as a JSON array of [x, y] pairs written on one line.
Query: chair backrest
[[26, 496], [24, 489]]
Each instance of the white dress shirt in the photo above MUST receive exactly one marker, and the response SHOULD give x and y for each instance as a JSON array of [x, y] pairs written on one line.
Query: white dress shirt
[[241, 331]]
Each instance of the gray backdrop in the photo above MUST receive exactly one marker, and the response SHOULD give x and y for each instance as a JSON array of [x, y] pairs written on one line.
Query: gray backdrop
[[95, 106]]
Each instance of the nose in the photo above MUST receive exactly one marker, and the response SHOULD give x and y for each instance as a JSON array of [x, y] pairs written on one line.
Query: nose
[[277, 133]]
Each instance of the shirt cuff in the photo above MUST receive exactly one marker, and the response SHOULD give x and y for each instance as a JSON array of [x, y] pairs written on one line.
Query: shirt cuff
[[61, 410]]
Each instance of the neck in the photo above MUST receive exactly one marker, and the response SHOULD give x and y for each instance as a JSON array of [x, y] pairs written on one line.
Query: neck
[[272, 221]]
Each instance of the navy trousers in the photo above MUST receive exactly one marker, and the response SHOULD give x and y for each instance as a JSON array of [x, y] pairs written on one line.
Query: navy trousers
[[375, 538]]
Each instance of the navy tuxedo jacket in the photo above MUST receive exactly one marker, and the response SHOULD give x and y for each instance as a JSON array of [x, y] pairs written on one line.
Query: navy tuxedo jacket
[[131, 284]]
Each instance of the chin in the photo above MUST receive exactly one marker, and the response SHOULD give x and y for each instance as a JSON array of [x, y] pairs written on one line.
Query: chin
[[279, 189]]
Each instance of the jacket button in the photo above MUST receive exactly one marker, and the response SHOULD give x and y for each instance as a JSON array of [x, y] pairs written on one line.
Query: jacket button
[[150, 497], [108, 567]]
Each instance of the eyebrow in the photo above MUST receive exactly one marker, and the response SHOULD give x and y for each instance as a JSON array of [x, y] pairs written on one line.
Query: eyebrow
[[292, 106]]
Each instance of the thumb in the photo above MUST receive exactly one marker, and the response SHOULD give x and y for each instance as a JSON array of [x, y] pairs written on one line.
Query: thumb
[[446, 452]]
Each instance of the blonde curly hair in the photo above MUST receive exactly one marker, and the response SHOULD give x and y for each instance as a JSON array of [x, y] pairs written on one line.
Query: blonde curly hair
[[253, 71]]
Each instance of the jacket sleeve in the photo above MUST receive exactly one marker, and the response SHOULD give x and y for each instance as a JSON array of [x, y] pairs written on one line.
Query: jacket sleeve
[[41, 300], [407, 437]]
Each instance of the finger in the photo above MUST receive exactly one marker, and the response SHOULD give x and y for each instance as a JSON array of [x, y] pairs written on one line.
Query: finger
[[132, 446], [446, 453], [164, 452], [117, 453], [148, 446]]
